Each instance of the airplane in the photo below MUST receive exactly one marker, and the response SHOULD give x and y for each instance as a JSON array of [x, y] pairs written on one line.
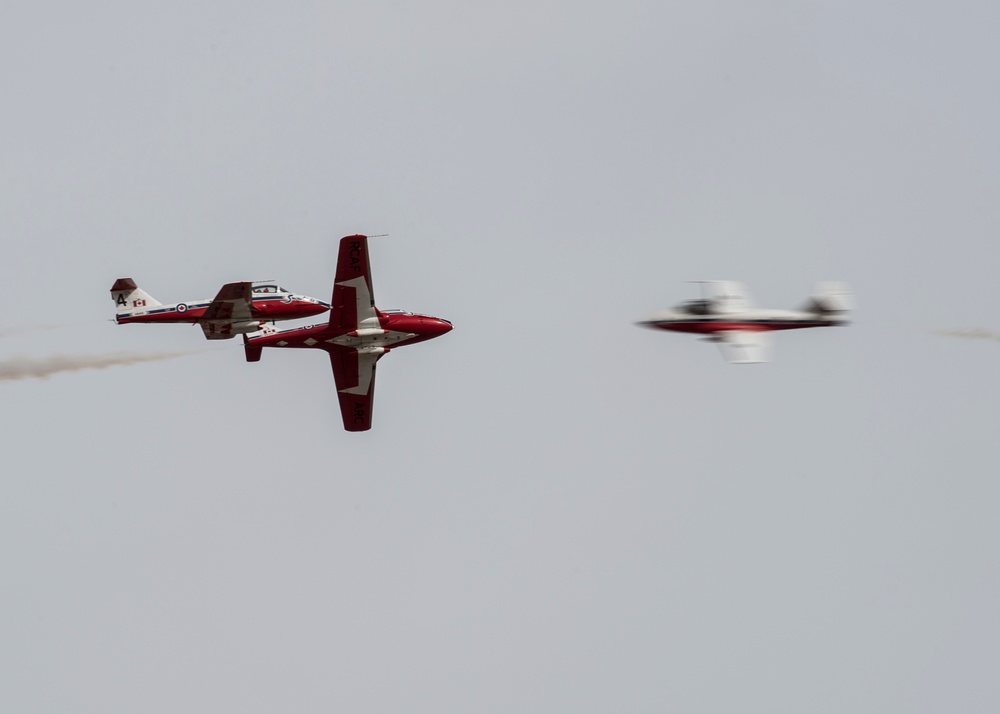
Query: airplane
[[727, 316], [237, 309], [357, 336]]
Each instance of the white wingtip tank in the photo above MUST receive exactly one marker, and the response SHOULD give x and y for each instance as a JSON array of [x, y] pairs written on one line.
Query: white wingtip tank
[[130, 298]]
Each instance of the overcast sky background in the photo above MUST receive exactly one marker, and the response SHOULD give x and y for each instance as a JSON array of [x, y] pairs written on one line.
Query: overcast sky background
[[556, 511]]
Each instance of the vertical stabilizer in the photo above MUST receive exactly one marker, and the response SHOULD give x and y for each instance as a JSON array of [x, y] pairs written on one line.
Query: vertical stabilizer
[[831, 300], [253, 352], [130, 298]]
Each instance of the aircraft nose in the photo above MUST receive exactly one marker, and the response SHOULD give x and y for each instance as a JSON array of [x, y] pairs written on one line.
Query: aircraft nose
[[438, 326], [317, 307]]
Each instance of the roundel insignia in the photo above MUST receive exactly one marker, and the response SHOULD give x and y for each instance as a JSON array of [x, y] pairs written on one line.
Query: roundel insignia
[[182, 308]]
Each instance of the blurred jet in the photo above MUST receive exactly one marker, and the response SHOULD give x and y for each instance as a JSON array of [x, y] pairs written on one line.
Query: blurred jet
[[237, 309], [727, 316], [357, 336]]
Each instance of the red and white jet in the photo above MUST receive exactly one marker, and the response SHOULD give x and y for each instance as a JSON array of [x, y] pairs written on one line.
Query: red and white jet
[[237, 309], [357, 336], [727, 316]]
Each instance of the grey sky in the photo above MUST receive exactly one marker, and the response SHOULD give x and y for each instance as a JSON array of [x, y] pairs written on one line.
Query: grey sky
[[556, 510]]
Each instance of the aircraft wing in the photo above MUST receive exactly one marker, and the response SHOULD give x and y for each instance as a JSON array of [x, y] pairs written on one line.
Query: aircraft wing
[[354, 373], [727, 296], [353, 300], [744, 346], [232, 304]]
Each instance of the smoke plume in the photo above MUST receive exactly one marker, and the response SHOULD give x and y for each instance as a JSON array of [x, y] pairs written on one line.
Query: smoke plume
[[40, 368], [22, 329], [977, 334]]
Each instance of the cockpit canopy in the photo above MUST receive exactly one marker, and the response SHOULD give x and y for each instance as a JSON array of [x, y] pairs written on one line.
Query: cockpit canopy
[[697, 307], [268, 290]]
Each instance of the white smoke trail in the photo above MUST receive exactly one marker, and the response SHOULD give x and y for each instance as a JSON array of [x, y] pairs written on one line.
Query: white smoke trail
[[40, 368], [977, 334], [22, 329]]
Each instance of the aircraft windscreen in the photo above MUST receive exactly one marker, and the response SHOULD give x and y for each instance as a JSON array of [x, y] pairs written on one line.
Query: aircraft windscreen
[[697, 307]]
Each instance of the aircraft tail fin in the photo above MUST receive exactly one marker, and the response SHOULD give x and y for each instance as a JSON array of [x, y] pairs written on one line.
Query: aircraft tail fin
[[253, 352], [129, 297], [831, 300]]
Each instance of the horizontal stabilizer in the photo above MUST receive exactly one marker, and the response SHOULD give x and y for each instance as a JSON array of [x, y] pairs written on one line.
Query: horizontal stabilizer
[[831, 298]]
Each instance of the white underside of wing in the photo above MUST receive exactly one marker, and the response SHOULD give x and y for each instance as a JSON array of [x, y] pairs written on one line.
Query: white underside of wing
[[366, 372], [365, 302], [744, 346]]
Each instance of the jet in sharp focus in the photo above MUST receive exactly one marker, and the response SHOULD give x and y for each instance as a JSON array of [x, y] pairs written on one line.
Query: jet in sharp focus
[[726, 315], [357, 335], [237, 309]]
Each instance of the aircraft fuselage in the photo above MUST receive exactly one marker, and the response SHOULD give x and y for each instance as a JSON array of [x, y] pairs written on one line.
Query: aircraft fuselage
[[387, 331], [265, 308], [752, 321]]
